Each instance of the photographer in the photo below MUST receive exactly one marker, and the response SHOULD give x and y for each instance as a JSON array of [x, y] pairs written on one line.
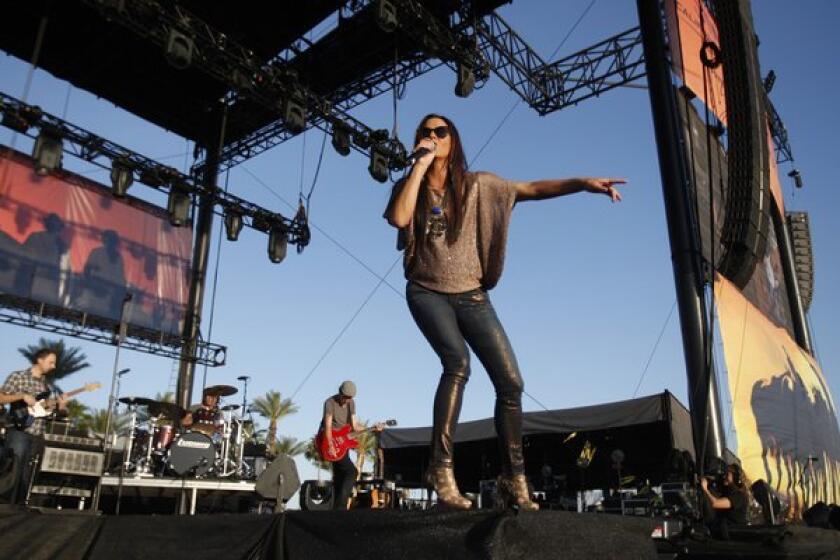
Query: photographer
[[730, 507]]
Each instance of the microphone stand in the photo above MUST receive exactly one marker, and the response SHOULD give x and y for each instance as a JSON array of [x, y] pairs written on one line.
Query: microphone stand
[[112, 398]]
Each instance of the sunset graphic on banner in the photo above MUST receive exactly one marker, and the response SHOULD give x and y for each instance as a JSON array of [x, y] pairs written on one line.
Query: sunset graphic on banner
[[783, 413]]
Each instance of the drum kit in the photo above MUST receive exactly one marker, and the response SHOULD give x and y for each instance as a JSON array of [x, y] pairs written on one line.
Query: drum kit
[[212, 444]]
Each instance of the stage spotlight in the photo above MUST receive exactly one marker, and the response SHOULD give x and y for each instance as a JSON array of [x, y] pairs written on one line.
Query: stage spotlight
[[341, 139], [179, 49], [797, 178], [47, 153], [277, 243], [769, 81], [294, 116], [466, 81], [378, 167], [386, 16], [122, 176], [233, 224], [178, 205]]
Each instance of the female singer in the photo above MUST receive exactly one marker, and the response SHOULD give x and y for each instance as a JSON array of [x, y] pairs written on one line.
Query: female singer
[[453, 229]]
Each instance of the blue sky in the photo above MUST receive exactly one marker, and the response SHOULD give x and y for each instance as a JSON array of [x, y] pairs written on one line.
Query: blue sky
[[587, 286]]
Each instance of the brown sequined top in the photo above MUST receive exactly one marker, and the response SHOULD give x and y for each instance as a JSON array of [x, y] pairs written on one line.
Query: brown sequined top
[[476, 258]]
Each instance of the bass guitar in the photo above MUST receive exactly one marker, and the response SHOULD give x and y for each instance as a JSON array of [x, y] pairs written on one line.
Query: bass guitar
[[24, 415], [343, 441]]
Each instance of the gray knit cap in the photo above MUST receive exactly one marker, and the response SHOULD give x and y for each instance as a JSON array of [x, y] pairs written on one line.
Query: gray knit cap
[[348, 389]]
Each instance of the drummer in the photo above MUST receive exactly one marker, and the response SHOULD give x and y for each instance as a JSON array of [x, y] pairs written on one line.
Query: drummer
[[204, 417]]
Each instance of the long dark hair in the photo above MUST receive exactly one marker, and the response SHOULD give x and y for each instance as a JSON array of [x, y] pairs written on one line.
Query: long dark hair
[[456, 183]]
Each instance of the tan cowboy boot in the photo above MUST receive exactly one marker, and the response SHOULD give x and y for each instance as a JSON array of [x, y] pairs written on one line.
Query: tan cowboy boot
[[442, 480], [513, 492]]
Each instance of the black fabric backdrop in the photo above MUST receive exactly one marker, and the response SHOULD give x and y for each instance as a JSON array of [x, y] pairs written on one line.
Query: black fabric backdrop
[[646, 429]]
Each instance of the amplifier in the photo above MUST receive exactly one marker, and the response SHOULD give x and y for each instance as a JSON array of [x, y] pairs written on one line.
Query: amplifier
[[72, 461], [75, 442]]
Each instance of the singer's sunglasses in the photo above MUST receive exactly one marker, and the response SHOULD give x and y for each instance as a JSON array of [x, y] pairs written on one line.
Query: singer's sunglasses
[[440, 132]]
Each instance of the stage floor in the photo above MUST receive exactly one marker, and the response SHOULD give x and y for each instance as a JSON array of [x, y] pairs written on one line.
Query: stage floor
[[379, 534]]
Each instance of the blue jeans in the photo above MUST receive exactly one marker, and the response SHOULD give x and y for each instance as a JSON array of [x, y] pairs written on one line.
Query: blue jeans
[[21, 445], [450, 322]]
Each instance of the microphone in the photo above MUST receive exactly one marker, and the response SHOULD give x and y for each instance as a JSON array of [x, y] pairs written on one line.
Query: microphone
[[123, 371], [243, 378], [417, 154]]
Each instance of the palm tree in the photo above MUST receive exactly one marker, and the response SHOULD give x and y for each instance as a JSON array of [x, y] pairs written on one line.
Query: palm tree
[[68, 359], [313, 456], [76, 412], [290, 446], [143, 412], [94, 422], [274, 407], [366, 449]]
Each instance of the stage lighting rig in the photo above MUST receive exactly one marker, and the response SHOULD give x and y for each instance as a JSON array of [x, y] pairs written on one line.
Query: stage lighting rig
[[20, 118], [379, 165], [179, 49], [233, 224], [769, 81], [179, 188], [341, 139], [294, 115], [797, 178], [386, 16], [178, 204], [277, 243], [226, 61], [47, 152], [122, 176], [466, 81]]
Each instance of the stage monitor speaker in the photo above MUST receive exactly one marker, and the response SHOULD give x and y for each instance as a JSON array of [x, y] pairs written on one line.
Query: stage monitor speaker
[[803, 256], [316, 495], [280, 478]]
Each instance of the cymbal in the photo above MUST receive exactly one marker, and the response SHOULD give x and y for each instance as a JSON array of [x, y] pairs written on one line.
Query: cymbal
[[166, 409], [136, 401], [230, 407], [220, 390]]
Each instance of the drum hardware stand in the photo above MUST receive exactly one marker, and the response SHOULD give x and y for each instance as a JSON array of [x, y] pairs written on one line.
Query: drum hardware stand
[[242, 468], [127, 459], [150, 443], [227, 432]]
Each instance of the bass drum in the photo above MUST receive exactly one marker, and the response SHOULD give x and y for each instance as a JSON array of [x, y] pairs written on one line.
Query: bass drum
[[192, 453]]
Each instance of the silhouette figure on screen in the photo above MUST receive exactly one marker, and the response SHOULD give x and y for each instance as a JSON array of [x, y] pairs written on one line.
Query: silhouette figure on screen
[[42, 274], [103, 283]]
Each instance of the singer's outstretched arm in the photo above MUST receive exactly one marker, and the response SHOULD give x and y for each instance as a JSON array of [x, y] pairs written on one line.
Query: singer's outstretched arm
[[550, 188]]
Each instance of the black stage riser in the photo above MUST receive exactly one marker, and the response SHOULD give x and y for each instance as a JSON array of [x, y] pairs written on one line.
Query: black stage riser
[[383, 535]]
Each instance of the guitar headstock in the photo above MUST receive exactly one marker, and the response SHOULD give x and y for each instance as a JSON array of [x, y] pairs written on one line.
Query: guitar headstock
[[92, 386]]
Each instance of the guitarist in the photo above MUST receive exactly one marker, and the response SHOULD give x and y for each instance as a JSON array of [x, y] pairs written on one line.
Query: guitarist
[[339, 411], [20, 389]]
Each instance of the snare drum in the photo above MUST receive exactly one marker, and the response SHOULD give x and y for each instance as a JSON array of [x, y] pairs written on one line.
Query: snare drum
[[162, 438], [191, 453]]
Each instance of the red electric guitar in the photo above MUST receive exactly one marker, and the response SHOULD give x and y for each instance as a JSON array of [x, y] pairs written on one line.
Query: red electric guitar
[[344, 440]]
